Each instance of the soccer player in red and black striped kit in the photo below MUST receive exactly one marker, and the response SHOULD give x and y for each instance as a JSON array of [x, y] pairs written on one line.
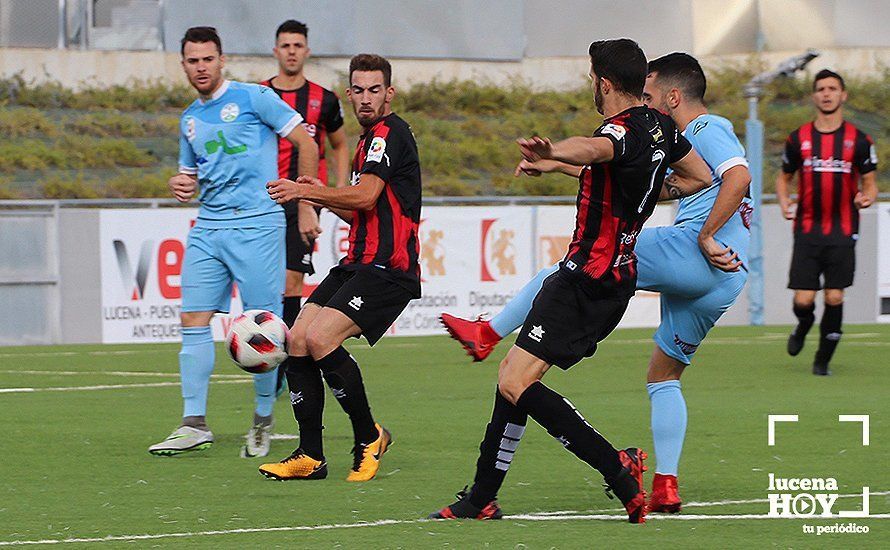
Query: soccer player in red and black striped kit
[[322, 117], [371, 286], [833, 158], [624, 166]]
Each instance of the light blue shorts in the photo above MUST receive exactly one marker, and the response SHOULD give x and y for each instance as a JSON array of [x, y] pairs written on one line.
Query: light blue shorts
[[694, 294], [251, 257]]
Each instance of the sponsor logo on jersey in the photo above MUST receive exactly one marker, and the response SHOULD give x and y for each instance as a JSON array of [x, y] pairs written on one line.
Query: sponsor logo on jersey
[[229, 112], [215, 145], [699, 126], [614, 130], [830, 164], [377, 149]]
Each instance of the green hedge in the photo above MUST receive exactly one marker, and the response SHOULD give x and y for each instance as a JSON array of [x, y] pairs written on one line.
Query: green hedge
[[121, 141]]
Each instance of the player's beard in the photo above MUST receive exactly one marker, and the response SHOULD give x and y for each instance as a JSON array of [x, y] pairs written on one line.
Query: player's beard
[[829, 111], [366, 119], [598, 96]]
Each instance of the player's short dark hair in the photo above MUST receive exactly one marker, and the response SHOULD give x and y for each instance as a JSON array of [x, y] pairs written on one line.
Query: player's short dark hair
[[682, 71], [200, 35], [828, 73], [371, 62], [292, 26], [622, 62]]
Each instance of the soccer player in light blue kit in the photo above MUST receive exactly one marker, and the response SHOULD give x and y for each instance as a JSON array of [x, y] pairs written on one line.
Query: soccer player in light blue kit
[[228, 150], [697, 264]]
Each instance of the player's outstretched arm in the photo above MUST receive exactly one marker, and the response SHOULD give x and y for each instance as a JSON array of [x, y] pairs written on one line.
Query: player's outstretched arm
[[690, 175], [577, 151], [869, 193], [782, 195], [362, 196], [733, 189], [536, 168]]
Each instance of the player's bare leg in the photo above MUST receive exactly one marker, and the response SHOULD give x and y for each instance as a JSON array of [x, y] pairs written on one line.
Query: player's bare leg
[[668, 428]]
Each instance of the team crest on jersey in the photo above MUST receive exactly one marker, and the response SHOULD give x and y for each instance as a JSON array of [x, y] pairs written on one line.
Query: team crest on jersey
[[848, 144], [614, 130], [229, 112], [190, 131], [314, 103], [375, 152], [806, 145]]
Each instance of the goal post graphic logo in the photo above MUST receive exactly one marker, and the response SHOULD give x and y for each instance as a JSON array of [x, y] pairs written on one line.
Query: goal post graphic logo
[[810, 497]]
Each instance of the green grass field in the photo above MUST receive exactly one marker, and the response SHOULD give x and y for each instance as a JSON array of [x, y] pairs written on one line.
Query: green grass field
[[76, 468]]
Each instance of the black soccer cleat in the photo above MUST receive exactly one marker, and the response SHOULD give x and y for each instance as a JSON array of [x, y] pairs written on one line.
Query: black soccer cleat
[[627, 484], [796, 341], [464, 509]]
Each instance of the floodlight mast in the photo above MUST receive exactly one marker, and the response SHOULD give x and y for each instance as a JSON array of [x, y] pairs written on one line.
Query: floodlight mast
[[753, 90]]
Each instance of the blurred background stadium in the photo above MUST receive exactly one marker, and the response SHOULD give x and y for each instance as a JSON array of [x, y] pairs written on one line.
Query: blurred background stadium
[[91, 91], [91, 248]]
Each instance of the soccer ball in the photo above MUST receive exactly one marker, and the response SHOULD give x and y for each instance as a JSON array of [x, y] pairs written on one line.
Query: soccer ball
[[257, 341]]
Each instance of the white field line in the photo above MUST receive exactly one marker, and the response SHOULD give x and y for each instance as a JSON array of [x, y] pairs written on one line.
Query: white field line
[[326, 527], [111, 373], [699, 504], [73, 353], [115, 386]]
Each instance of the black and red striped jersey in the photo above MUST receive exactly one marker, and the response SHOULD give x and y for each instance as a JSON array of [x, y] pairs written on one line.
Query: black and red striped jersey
[[385, 238], [321, 113], [615, 198], [830, 167]]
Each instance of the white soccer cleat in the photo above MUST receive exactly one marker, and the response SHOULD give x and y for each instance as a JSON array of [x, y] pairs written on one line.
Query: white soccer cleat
[[184, 439], [259, 440]]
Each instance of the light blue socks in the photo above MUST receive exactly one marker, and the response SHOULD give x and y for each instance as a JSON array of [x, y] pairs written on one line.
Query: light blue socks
[[514, 313], [264, 386], [195, 366], [668, 424]]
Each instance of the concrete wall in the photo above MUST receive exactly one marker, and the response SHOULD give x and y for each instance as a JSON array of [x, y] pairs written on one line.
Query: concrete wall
[[860, 304], [80, 279], [105, 68]]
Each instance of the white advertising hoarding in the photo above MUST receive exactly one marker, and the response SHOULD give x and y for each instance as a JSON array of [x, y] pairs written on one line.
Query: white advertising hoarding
[[473, 260], [141, 253]]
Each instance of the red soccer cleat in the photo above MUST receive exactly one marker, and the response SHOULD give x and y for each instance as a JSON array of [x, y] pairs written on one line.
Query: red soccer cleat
[[463, 509], [628, 484], [665, 497], [477, 337]]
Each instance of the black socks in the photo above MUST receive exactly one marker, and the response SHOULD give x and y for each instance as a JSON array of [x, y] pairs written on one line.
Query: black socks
[[345, 380], [830, 330], [307, 400], [291, 309], [805, 319], [496, 450], [561, 420]]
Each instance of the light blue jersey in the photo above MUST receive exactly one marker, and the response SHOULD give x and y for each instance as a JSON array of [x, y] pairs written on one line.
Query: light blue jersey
[[714, 140], [231, 143]]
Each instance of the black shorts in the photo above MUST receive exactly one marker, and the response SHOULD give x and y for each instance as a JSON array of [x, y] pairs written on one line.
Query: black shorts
[[567, 320], [370, 300], [299, 255], [835, 263]]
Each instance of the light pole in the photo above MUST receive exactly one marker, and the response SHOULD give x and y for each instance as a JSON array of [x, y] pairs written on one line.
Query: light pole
[[753, 90]]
